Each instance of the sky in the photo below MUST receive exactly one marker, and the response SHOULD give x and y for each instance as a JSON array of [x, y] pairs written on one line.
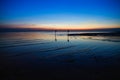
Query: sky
[[60, 14]]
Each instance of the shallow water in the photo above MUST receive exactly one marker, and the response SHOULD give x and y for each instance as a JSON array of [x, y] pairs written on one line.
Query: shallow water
[[46, 56]]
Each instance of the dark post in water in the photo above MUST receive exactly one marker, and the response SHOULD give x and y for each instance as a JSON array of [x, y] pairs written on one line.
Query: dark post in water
[[68, 35], [55, 36]]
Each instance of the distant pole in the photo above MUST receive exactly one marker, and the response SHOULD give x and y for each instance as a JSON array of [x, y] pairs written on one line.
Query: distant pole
[[55, 36], [68, 35]]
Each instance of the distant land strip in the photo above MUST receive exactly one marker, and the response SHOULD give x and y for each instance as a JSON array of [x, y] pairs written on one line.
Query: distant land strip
[[96, 34]]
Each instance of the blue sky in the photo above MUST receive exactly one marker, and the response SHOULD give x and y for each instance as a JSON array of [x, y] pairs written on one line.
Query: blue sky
[[60, 12]]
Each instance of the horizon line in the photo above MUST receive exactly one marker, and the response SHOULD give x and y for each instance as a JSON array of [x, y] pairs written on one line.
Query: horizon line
[[53, 29]]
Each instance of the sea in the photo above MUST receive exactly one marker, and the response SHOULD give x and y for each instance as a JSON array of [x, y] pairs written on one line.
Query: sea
[[58, 56]]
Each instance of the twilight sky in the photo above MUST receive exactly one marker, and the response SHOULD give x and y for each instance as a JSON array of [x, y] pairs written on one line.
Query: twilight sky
[[60, 14]]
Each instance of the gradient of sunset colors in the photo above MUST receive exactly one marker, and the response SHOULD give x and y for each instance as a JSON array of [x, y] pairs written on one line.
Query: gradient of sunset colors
[[60, 14]]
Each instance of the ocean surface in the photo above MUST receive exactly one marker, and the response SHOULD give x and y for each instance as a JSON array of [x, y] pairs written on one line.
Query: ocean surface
[[50, 56]]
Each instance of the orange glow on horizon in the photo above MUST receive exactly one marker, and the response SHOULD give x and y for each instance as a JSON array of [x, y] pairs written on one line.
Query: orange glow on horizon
[[62, 27]]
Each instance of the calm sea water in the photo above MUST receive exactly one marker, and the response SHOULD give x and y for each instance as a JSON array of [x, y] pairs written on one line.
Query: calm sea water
[[44, 55]]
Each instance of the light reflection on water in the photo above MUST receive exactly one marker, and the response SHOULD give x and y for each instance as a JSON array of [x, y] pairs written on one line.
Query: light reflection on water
[[35, 39], [51, 36], [42, 49]]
